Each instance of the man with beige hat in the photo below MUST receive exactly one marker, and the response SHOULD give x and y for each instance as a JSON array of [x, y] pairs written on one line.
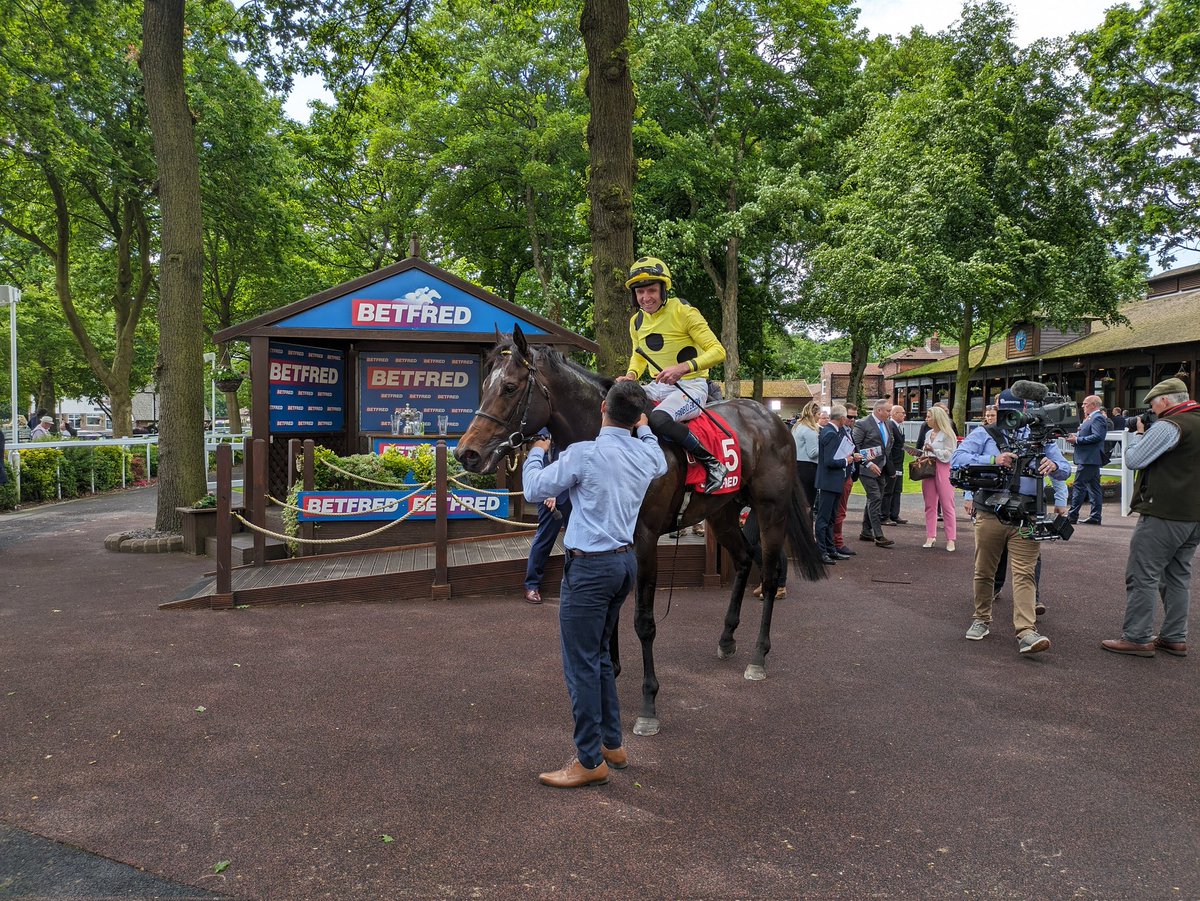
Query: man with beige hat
[[42, 431], [1166, 494]]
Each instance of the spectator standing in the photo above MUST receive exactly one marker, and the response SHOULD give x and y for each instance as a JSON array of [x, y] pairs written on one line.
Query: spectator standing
[[832, 476], [607, 480], [839, 518], [1166, 495], [804, 433], [1118, 419], [940, 444], [553, 515], [42, 431], [872, 438], [895, 489], [1088, 441]]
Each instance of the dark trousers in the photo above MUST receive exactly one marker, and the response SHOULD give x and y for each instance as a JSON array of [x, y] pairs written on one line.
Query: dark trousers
[[872, 522], [1087, 482], [548, 527], [752, 535], [806, 475], [891, 497], [593, 589], [827, 506]]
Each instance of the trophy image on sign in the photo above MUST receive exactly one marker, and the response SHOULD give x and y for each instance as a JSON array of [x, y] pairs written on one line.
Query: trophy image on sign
[[409, 421]]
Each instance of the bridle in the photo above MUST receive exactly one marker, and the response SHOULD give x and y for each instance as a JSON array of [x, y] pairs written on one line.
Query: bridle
[[518, 438]]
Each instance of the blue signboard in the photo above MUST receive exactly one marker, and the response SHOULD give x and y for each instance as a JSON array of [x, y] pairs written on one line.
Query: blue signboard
[[409, 301], [435, 384], [408, 444], [355, 506], [308, 388]]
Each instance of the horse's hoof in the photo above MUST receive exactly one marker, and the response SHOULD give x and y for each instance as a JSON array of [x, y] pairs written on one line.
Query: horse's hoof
[[756, 673], [645, 726], [726, 653]]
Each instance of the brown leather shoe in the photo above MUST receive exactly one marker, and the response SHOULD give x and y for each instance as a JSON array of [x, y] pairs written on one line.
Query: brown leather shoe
[[616, 758], [884, 542], [575, 775], [1121, 646], [1178, 648], [533, 596]]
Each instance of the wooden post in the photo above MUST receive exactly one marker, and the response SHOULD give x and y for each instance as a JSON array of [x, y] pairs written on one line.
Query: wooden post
[[712, 578], [308, 529], [294, 445], [259, 500], [441, 528], [224, 595]]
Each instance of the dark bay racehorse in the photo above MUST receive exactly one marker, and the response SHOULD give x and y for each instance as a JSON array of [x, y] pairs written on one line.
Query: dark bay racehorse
[[529, 388]]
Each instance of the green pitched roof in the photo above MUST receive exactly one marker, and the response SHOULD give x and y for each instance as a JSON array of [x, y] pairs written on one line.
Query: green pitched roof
[[1174, 319]]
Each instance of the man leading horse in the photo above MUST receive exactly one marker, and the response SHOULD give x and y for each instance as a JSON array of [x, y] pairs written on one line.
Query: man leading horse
[[674, 340]]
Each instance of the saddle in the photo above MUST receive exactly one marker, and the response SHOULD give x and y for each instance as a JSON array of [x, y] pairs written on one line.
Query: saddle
[[725, 447]]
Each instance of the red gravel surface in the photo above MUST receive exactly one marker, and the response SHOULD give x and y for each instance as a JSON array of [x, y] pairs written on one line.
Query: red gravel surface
[[884, 757]]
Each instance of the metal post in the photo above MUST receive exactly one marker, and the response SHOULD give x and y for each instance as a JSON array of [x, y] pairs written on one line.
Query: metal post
[[12, 296]]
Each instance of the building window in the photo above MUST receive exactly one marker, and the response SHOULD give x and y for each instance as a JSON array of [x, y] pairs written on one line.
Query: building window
[[775, 405]]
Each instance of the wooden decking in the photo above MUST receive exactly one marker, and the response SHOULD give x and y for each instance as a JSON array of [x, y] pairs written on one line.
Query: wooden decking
[[490, 565]]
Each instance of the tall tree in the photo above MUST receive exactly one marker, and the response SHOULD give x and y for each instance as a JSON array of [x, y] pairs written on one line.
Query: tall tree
[[1143, 88], [966, 208], [179, 370], [604, 25]]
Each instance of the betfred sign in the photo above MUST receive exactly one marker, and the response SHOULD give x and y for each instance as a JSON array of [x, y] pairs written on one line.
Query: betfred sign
[[307, 388], [359, 506], [415, 301]]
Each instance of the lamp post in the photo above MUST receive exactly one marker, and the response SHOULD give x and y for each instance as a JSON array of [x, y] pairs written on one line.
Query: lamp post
[[11, 296]]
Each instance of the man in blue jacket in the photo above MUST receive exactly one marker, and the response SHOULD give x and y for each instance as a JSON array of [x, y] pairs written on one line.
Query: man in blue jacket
[[832, 472], [1089, 442], [992, 536]]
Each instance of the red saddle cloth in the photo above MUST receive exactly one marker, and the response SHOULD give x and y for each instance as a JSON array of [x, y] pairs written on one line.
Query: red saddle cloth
[[725, 448]]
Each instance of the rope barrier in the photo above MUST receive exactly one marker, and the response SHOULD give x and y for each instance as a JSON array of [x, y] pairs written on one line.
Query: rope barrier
[[364, 478], [345, 540], [277, 502], [457, 481]]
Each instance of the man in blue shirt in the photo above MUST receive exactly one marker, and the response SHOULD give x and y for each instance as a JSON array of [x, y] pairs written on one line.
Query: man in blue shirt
[[606, 481], [992, 536]]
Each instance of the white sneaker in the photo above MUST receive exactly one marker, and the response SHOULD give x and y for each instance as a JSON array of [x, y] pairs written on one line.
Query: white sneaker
[[1031, 642]]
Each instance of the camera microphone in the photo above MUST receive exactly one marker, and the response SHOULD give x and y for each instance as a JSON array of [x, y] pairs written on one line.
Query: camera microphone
[[1031, 391]]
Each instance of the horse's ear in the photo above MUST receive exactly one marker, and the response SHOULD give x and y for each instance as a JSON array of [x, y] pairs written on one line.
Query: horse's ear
[[499, 337], [519, 340]]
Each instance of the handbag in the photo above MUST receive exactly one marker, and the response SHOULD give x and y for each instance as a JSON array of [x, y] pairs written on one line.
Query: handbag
[[922, 468]]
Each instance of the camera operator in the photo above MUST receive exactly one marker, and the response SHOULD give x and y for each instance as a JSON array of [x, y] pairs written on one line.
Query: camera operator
[[1167, 495], [990, 446]]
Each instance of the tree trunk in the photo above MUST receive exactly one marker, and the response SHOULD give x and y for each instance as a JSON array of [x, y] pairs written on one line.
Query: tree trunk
[[604, 25], [729, 319], [859, 349], [179, 368]]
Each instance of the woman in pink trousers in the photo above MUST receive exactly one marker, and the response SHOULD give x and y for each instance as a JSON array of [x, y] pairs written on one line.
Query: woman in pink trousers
[[940, 443]]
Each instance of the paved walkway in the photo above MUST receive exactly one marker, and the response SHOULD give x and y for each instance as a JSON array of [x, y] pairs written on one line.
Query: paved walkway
[[390, 750]]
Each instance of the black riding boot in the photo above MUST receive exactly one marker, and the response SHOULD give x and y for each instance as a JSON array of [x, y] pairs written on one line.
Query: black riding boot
[[676, 432]]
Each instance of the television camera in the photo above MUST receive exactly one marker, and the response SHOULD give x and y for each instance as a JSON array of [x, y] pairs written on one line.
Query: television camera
[[1023, 432]]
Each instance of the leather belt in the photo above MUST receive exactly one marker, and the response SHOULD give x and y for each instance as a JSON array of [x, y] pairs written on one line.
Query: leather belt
[[617, 550]]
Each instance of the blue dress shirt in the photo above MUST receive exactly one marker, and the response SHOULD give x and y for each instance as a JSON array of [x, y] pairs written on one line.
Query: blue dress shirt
[[606, 480]]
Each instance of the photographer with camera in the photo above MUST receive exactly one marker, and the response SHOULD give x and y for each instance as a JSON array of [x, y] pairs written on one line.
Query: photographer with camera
[[1166, 494], [1004, 466]]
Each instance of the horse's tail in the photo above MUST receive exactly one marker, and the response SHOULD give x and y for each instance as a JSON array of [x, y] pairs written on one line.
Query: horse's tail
[[805, 549]]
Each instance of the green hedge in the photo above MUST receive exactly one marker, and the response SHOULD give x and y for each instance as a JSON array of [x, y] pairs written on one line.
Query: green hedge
[[48, 473]]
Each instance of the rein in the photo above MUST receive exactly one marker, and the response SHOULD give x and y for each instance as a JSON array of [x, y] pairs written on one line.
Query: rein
[[518, 438]]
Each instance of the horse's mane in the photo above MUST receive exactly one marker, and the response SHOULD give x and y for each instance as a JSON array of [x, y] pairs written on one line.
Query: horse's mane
[[551, 358]]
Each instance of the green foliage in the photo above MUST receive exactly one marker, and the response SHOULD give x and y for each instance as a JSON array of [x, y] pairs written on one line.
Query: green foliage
[[8, 491], [1142, 67], [40, 474]]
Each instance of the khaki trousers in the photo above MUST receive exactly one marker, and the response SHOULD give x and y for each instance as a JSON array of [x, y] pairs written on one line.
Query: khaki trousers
[[991, 538]]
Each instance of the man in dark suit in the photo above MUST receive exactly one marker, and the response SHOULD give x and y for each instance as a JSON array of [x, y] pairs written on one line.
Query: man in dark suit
[[1088, 441], [832, 474], [873, 438], [895, 488]]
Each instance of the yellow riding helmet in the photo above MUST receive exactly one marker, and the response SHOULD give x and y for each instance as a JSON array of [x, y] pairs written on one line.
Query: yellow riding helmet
[[649, 269]]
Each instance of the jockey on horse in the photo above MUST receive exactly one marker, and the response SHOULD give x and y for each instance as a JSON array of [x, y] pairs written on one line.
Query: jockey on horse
[[674, 338]]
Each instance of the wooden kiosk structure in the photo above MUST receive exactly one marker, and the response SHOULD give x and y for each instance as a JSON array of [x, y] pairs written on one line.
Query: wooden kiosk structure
[[333, 370]]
